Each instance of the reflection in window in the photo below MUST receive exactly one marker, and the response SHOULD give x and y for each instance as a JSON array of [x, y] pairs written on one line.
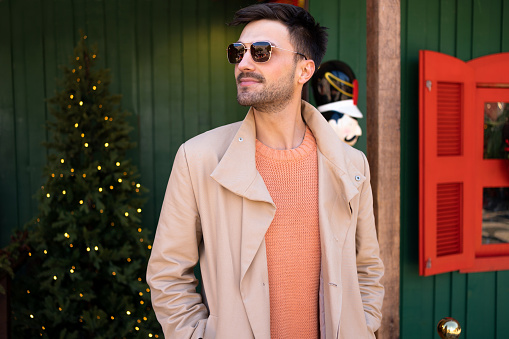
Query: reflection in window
[[496, 130], [495, 215]]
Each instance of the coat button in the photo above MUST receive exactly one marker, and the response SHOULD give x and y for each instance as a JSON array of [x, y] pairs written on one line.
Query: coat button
[[357, 178]]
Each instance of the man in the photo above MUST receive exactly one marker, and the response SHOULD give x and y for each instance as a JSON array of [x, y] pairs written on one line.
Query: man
[[276, 208]]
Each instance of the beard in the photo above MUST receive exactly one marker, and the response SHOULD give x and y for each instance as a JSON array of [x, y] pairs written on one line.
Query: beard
[[272, 97]]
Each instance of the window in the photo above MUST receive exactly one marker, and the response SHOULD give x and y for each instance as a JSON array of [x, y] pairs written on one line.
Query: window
[[464, 170]]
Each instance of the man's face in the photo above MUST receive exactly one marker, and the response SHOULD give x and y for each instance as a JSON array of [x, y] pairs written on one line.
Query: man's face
[[271, 85]]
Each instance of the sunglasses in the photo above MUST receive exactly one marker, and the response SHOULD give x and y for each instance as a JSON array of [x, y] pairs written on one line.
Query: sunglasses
[[260, 51]]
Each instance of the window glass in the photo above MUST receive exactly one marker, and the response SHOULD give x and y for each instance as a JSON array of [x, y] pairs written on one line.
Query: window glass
[[496, 130], [495, 215]]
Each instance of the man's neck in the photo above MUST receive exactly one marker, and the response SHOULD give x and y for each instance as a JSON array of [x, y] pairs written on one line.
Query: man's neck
[[281, 130]]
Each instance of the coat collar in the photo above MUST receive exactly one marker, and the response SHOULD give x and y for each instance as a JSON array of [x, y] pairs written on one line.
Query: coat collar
[[237, 169]]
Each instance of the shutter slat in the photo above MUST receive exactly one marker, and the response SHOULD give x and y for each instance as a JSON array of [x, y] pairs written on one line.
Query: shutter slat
[[449, 211]]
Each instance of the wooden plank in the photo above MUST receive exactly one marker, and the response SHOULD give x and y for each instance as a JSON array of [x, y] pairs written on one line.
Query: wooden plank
[[95, 28], [442, 297], [64, 31], [481, 305], [505, 26], [383, 114], [204, 80], [448, 26], [110, 55], [35, 100], [417, 293], [486, 34], [459, 298], [221, 69], [234, 111], [464, 30], [20, 95], [79, 19], [127, 74], [162, 116], [176, 89], [146, 104], [9, 217], [190, 62], [328, 15], [352, 31], [502, 302]]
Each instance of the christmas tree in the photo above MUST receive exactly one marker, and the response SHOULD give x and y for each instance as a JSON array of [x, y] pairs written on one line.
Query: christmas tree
[[85, 272]]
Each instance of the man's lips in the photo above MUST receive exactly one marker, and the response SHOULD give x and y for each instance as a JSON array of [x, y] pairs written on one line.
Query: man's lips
[[248, 81], [245, 79]]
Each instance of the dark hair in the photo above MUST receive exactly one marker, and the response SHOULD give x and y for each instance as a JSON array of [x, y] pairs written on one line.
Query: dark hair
[[306, 35]]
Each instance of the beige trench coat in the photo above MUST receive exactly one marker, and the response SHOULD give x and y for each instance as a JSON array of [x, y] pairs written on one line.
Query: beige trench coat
[[217, 210]]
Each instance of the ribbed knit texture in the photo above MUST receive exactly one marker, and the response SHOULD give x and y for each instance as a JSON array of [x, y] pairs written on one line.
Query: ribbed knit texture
[[293, 238]]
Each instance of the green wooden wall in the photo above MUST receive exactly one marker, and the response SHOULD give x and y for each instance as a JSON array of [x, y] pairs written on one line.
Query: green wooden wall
[[167, 59], [465, 29]]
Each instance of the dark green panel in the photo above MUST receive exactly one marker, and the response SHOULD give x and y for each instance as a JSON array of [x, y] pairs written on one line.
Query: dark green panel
[[146, 103], [505, 25], [346, 21], [234, 112], [502, 310], [442, 297], [481, 305], [110, 57], [64, 30], [328, 15], [464, 30], [419, 31], [203, 67], [459, 297], [352, 41], [222, 71], [487, 28], [191, 61], [95, 27], [127, 72], [448, 17], [162, 97], [79, 18], [35, 100], [175, 60], [21, 112], [8, 169]]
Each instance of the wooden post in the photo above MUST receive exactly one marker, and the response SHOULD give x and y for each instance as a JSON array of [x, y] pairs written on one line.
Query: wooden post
[[383, 145]]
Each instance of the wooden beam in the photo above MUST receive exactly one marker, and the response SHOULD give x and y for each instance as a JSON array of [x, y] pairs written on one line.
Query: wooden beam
[[383, 145]]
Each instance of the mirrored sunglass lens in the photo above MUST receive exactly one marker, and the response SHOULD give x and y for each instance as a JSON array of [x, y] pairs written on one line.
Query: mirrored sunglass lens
[[260, 51], [235, 53]]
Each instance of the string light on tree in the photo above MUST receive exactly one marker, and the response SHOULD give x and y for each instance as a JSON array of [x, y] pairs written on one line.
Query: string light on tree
[[83, 199]]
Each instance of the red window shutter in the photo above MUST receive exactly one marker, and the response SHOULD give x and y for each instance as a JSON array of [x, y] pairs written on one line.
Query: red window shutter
[[446, 101]]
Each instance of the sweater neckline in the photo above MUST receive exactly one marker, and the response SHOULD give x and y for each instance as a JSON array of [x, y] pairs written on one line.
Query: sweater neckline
[[304, 149]]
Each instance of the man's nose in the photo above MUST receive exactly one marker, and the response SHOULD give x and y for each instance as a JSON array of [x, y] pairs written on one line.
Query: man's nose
[[247, 62]]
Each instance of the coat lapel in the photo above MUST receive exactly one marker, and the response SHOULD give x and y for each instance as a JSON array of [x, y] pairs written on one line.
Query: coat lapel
[[237, 172], [338, 184]]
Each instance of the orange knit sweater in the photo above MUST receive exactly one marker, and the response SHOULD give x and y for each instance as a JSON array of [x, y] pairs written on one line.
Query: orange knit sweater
[[293, 238]]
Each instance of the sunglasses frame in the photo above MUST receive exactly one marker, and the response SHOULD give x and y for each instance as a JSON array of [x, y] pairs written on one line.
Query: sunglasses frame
[[236, 45]]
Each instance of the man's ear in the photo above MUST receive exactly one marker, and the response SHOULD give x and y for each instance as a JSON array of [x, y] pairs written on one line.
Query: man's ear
[[306, 70]]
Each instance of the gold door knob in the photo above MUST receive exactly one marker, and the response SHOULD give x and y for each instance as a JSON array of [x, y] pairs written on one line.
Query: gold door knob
[[449, 328]]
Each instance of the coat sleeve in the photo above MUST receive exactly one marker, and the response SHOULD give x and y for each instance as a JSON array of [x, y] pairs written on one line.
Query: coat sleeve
[[370, 268], [178, 307]]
